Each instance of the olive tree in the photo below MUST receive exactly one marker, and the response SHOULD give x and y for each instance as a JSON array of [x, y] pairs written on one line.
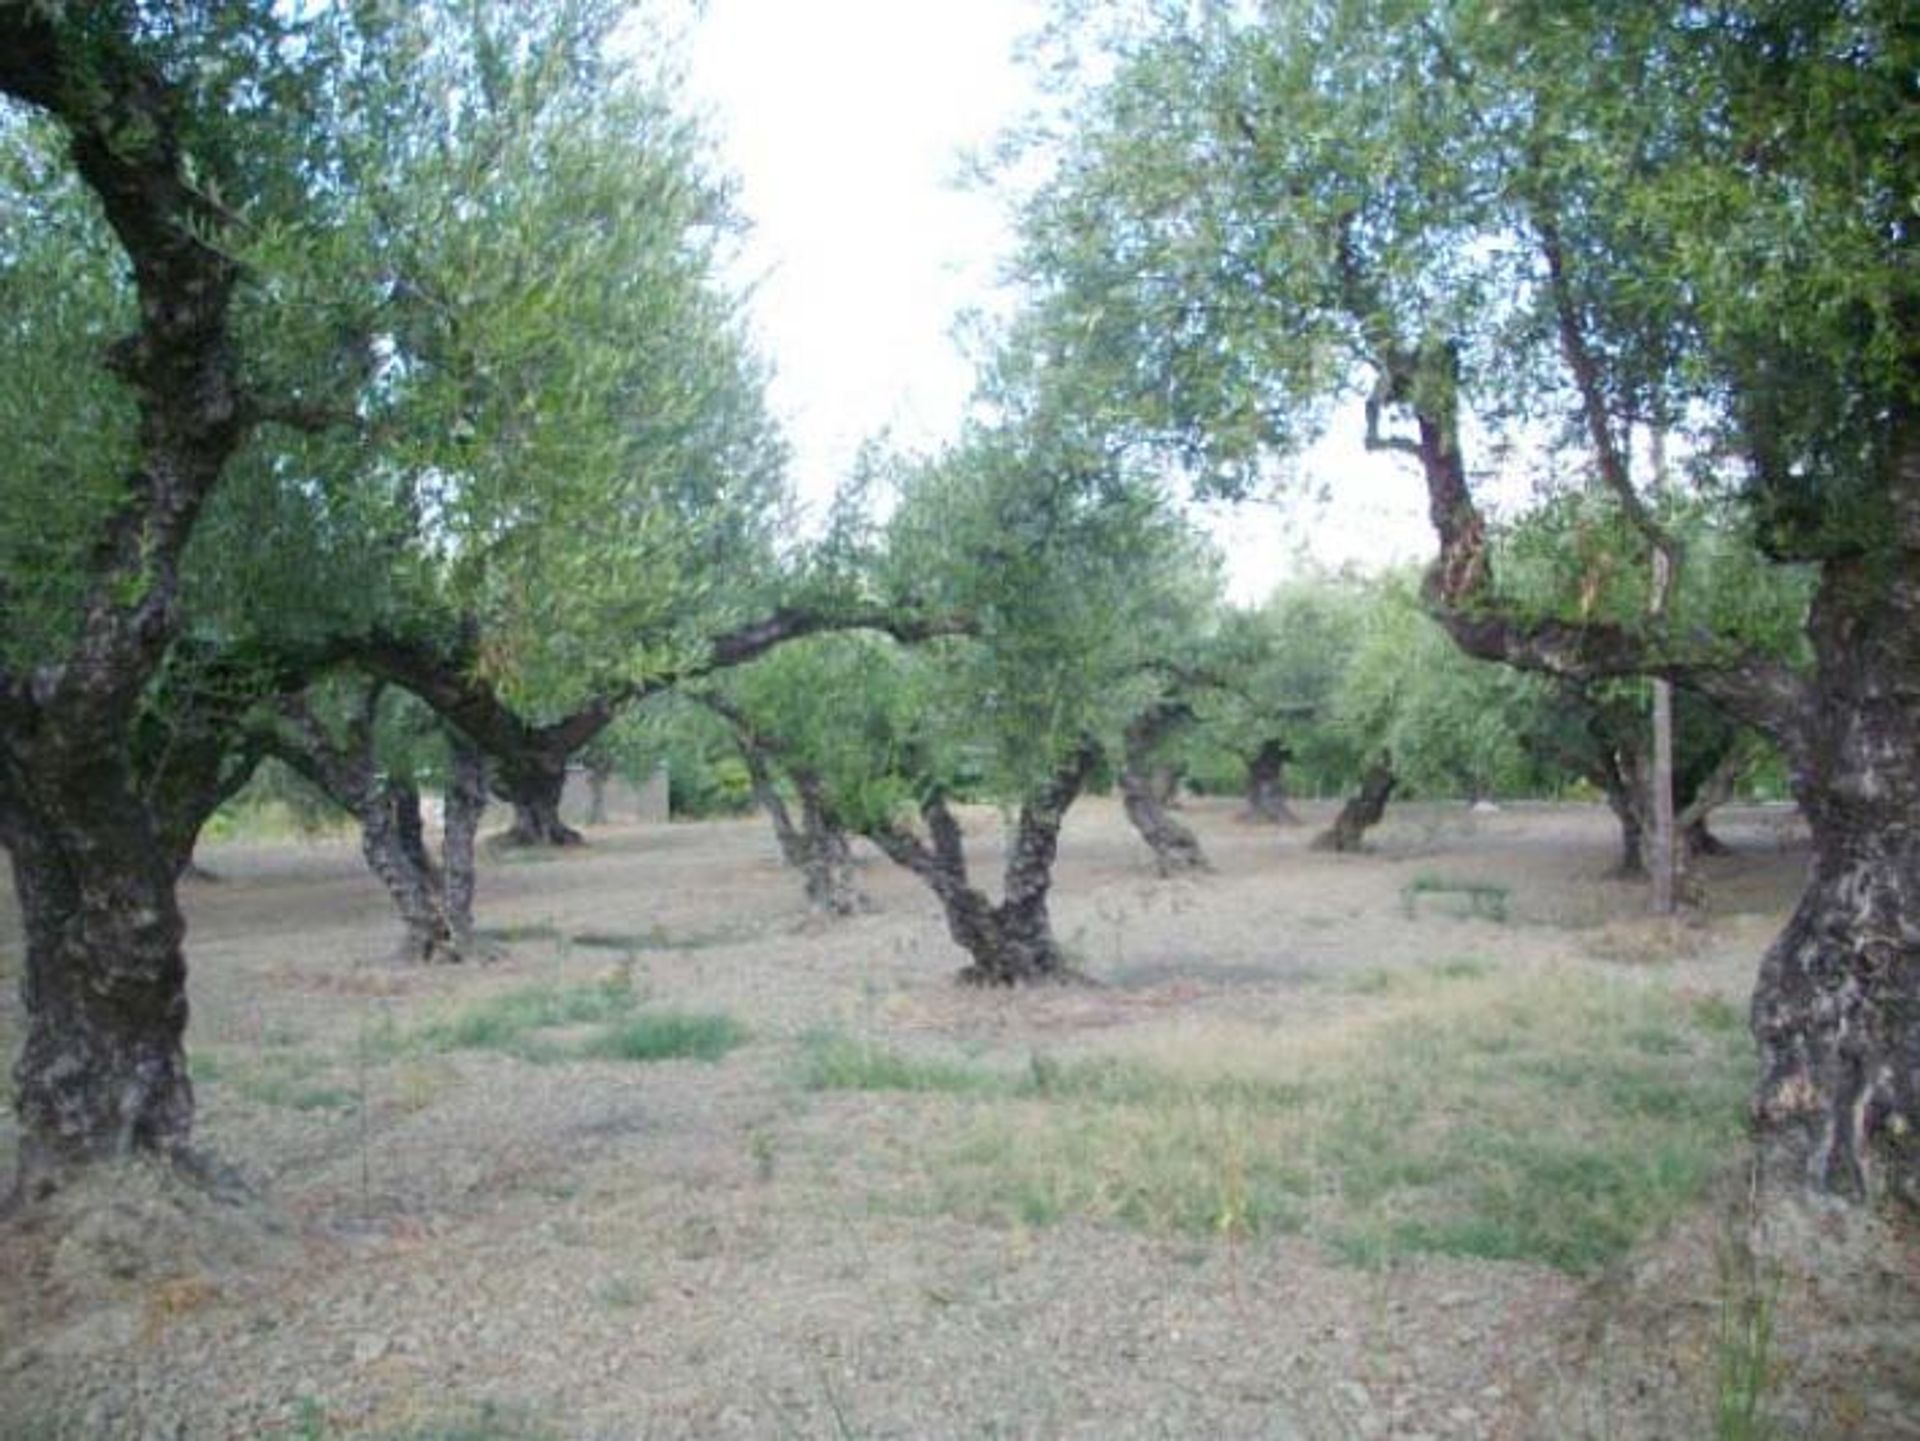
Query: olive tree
[[1463, 220], [329, 324]]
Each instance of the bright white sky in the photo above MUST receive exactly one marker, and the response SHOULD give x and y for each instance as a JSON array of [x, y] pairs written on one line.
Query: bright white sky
[[846, 122]]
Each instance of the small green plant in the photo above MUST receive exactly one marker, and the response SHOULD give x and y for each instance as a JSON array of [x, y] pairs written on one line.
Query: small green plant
[[834, 1062], [1745, 1363], [666, 1035], [1483, 900]]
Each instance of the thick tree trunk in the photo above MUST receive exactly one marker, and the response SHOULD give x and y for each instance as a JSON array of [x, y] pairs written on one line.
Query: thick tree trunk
[[1176, 850], [103, 1069], [1837, 1009], [534, 786], [1011, 943], [464, 805], [1267, 785], [1361, 812]]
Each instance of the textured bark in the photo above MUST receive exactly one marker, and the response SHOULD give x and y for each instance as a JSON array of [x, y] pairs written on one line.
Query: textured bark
[[465, 803], [346, 770], [1361, 812], [1837, 1009], [1176, 850], [1010, 943], [102, 1070], [1267, 785]]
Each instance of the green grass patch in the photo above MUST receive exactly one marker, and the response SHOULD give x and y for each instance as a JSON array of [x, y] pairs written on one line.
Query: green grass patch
[[666, 1035], [294, 1080], [830, 1061], [1543, 1117], [1482, 900], [548, 1023]]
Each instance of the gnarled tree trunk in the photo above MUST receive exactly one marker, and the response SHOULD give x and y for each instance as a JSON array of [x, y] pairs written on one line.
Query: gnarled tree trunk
[[1837, 1009], [1176, 850], [464, 805], [1362, 811], [103, 1070], [1011, 943], [392, 835], [1267, 785]]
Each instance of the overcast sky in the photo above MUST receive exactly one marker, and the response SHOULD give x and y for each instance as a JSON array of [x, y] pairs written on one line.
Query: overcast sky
[[845, 122]]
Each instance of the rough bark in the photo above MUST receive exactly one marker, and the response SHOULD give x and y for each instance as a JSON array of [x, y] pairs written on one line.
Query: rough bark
[[1837, 1009], [464, 805], [1010, 943], [1362, 811], [1267, 785], [102, 1070], [346, 770], [1176, 850]]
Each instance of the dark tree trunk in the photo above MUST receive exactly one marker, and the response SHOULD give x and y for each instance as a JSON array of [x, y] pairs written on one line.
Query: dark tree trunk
[[1361, 812], [1633, 837], [392, 840], [1267, 785], [103, 1070], [1176, 850], [392, 834], [1011, 943], [533, 786], [1837, 1009], [464, 805]]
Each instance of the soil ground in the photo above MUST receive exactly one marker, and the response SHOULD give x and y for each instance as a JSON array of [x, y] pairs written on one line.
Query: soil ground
[[480, 1240]]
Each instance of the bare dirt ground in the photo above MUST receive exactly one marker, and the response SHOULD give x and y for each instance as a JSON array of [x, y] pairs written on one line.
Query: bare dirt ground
[[469, 1241]]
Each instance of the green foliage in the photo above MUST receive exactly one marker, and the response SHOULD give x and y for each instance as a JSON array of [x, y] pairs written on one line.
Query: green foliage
[[480, 254]]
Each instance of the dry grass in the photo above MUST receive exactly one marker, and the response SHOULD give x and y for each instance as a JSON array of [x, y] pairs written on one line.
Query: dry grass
[[1522, 1113]]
